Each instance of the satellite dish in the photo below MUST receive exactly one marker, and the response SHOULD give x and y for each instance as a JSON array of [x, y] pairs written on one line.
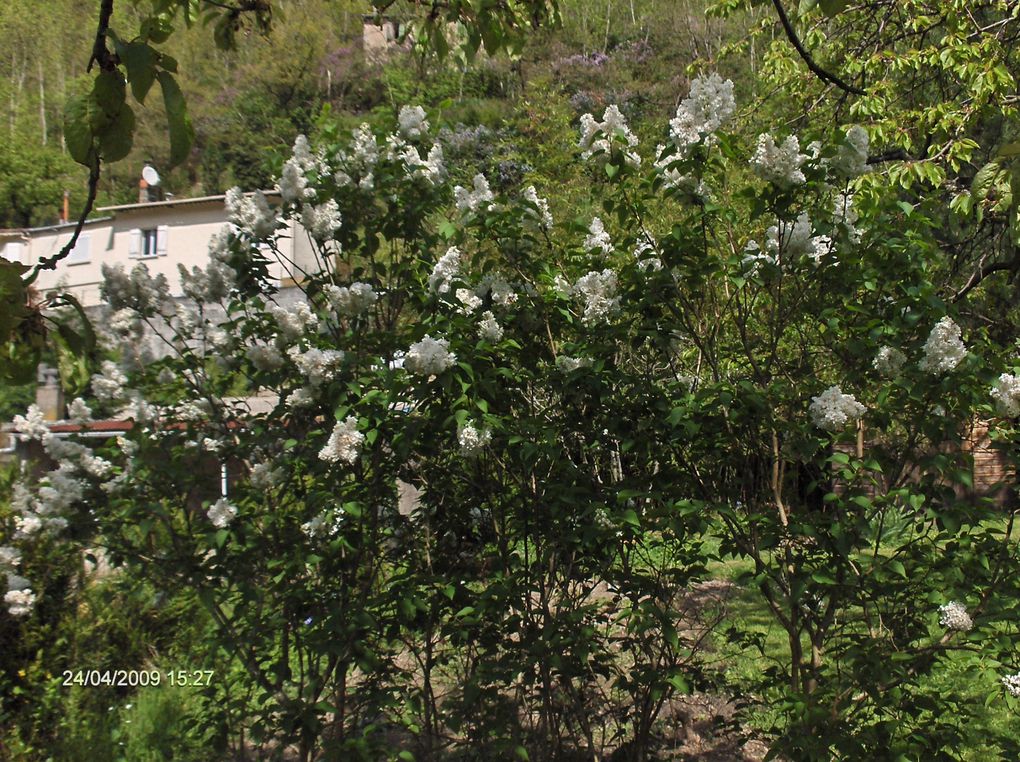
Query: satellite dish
[[150, 175]]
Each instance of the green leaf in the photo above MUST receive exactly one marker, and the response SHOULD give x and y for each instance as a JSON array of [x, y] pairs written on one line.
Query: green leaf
[[116, 139], [833, 7], [140, 61], [985, 179], [78, 132], [181, 133]]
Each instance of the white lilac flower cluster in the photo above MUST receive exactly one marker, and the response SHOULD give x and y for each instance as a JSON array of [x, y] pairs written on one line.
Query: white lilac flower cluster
[[412, 123], [221, 513], [642, 251], [954, 616], [322, 220], [1006, 394], [210, 284], [136, 290], [779, 164], [1012, 684], [110, 383], [944, 348], [598, 291], [541, 207], [293, 184], [709, 105], [445, 270], [570, 364], [489, 329], [317, 366], [360, 161], [845, 214], [320, 526], [265, 357], [293, 319], [429, 357], [19, 602], [350, 300], [832, 410], [787, 241], [473, 439], [479, 197], [344, 444], [673, 178], [851, 158], [19, 598], [498, 288], [598, 138], [251, 214], [598, 238], [888, 361], [432, 168]]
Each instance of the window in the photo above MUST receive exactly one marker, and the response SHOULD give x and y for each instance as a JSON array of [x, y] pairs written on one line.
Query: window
[[81, 251], [148, 242]]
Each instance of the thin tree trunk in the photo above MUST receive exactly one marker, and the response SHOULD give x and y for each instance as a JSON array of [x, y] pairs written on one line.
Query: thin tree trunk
[[42, 102]]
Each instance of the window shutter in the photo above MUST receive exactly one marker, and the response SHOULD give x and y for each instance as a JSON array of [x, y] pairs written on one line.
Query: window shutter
[[135, 245], [161, 235]]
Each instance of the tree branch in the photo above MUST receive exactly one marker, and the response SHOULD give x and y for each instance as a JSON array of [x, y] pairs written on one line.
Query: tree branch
[[821, 73], [983, 272], [50, 263]]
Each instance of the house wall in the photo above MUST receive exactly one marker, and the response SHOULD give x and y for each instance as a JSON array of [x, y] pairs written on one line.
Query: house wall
[[180, 235]]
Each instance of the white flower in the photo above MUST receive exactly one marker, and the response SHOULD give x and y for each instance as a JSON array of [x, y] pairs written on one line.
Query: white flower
[[221, 513], [412, 121], [293, 185], [251, 215], [108, 385], [263, 476], [264, 357], [32, 424], [944, 349], [1006, 394], [502, 293], [598, 238], [446, 269], [344, 443], [489, 329], [846, 214], [136, 290], [300, 398], [709, 105], [430, 169], [473, 440], [469, 301], [470, 201], [790, 239], [598, 138], [954, 616], [317, 365], [1012, 684], [541, 209], [294, 319], [429, 357], [888, 361], [321, 221], [832, 409], [779, 164], [852, 155], [350, 300], [598, 290], [9, 558], [19, 602], [570, 364], [645, 247]]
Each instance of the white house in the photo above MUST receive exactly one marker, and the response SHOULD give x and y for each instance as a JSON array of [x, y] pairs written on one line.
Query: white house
[[162, 234]]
